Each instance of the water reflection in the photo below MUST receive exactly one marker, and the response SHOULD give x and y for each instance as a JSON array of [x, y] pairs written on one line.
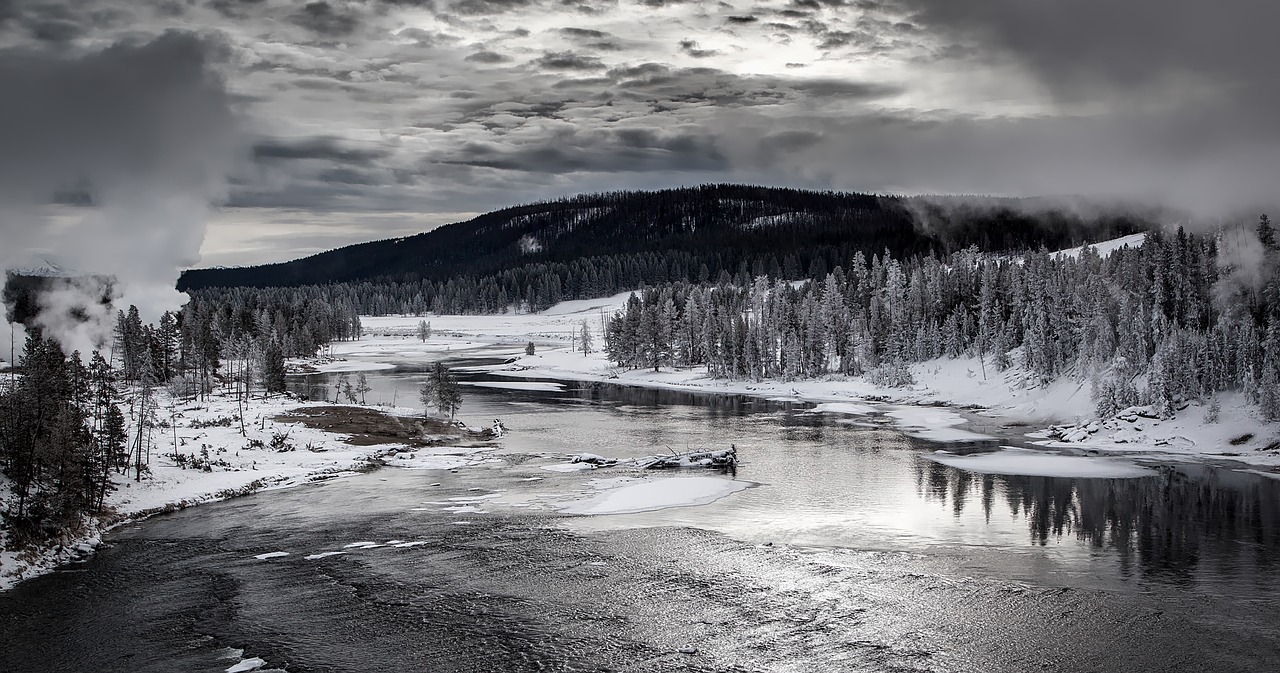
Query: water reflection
[[1172, 525]]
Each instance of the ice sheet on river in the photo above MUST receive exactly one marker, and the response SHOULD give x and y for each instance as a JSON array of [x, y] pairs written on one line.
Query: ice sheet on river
[[654, 494], [1032, 463], [547, 386]]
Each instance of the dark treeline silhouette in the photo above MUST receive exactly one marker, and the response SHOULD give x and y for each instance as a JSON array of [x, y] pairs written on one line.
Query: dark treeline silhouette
[[534, 255]]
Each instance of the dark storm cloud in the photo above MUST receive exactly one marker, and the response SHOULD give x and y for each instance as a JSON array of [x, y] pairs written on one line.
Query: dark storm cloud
[[481, 7], [568, 60], [624, 150], [691, 48], [234, 9], [131, 107], [350, 176], [487, 57], [1077, 45], [321, 148], [323, 18], [48, 22], [585, 33], [1190, 88]]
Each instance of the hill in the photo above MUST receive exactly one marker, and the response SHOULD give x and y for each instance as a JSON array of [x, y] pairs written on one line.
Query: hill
[[719, 227]]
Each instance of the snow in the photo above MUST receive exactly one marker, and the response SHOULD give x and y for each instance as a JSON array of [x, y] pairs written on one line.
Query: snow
[[1105, 248], [934, 423], [239, 467], [1013, 395], [1029, 462], [654, 494], [247, 665], [273, 554]]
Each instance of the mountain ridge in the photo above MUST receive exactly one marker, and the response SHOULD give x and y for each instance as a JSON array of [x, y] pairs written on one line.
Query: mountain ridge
[[723, 226]]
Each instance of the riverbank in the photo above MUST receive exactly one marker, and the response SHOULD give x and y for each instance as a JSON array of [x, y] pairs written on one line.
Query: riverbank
[[202, 452], [1058, 416]]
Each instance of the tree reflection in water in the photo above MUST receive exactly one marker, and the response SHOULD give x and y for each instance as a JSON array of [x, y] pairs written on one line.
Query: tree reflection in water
[[1166, 525]]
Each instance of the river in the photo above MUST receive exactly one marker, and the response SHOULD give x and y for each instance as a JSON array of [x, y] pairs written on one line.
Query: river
[[851, 551]]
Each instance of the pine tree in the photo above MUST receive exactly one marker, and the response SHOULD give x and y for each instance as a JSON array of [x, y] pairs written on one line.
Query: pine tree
[[273, 374], [584, 334]]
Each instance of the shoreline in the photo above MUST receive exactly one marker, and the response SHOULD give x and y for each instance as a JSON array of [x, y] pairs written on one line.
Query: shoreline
[[233, 472], [961, 386]]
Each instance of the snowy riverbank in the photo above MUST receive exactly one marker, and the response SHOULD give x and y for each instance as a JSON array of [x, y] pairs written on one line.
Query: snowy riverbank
[[199, 455], [1011, 397]]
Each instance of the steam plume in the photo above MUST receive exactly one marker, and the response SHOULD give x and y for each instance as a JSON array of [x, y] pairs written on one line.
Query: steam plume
[[144, 132]]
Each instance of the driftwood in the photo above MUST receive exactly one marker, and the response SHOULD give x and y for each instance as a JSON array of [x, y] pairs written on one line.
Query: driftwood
[[726, 459]]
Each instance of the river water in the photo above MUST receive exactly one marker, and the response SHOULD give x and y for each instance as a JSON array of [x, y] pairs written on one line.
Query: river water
[[852, 551]]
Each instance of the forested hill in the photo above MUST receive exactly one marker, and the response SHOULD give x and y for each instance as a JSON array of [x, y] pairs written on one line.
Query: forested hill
[[783, 232]]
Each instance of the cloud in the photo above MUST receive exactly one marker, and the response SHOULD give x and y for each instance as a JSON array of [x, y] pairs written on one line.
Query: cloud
[[323, 18], [397, 105], [691, 48], [568, 60], [144, 131], [322, 147], [487, 57]]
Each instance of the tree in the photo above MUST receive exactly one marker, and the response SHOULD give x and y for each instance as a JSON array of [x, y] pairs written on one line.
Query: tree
[[362, 386], [440, 390], [273, 372], [585, 335], [530, 349], [424, 330], [1266, 232]]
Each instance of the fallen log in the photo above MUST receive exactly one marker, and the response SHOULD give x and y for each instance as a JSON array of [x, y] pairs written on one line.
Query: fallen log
[[726, 459]]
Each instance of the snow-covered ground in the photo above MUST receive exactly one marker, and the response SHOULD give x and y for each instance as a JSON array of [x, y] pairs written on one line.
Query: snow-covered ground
[[208, 432], [1105, 248], [1013, 396], [239, 464]]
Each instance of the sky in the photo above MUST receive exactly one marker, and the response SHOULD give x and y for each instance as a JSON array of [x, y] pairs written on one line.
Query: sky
[[231, 132]]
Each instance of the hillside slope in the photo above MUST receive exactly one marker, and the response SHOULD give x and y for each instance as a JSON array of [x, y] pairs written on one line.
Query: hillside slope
[[719, 226]]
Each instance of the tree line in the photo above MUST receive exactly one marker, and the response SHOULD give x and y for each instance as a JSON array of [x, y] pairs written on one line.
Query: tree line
[[1178, 318], [69, 423]]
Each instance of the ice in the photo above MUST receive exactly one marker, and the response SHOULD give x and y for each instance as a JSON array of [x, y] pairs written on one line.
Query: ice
[[933, 423], [843, 408], [656, 494], [350, 366], [246, 665], [272, 554], [323, 554], [1028, 462], [366, 544], [568, 467], [518, 385]]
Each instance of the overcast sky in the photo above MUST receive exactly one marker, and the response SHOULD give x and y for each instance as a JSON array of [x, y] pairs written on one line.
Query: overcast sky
[[366, 119]]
